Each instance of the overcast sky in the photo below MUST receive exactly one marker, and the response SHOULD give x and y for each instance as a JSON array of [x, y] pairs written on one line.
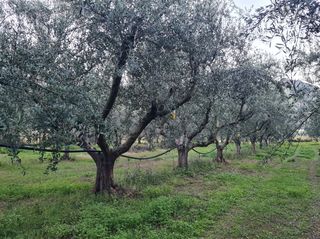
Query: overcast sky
[[250, 3], [258, 43]]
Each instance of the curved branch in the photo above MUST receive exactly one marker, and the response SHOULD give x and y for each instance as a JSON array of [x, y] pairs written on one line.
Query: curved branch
[[202, 125], [126, 46], [143, 123]]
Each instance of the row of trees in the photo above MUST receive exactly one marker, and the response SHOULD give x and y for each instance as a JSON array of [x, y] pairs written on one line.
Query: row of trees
[[102, 73]]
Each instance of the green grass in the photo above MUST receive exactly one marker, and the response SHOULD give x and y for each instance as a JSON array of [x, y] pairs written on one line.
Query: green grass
[[243, 199]]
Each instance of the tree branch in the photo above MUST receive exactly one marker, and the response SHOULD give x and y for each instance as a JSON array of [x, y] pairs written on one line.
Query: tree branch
[[202, 125], [102, 142], [154, 112], [194, 68], [83, 144], [149, 116], [126, 46]]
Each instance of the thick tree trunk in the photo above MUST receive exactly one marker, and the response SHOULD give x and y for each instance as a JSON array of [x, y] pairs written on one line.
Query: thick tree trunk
[[219, 157], [238, 146], [253, 140], [266, 142], [104, 176], [150, 144], [261, 143], [253, 145], [183, 157], [66, 156]]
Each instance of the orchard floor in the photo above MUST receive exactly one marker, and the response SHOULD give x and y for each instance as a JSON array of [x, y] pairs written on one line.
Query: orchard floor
[[243, 199]]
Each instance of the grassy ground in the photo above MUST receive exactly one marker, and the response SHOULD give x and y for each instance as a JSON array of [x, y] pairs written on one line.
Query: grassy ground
[[243, 199]]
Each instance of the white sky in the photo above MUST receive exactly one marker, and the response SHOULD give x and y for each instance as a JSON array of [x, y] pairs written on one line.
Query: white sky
[[254, 4], [270, 49], [249, 3]]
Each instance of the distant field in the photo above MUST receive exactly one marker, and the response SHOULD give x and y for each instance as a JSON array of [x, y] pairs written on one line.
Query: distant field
[[243, 199]]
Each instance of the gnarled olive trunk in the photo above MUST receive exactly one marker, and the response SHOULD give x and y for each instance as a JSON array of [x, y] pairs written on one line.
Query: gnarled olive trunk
[[253, 140], [253, 145], [66, 156], [266, 142], [219, 157], [238, 146], [182, 145], [104, 176], [261, 142], [183, 157]]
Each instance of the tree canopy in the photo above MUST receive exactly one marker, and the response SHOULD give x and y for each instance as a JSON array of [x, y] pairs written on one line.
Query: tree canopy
[[100, 74]]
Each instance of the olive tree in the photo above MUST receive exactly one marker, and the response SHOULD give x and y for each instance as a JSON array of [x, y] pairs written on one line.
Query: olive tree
[[99, 72], [185, 129]]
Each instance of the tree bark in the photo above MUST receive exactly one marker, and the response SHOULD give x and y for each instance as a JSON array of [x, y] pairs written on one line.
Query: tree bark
[[66, 156], [261, 143], [104, 160], [150, 143], [253, 140], [219, 157], [266, 142], [238, 146], [253, 144], [104, 176], [183, 157]]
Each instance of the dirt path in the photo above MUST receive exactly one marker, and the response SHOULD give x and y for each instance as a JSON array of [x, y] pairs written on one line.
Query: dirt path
[[315, 182]]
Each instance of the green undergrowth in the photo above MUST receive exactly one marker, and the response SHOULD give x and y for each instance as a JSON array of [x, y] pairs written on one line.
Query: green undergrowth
[[242, 199]]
